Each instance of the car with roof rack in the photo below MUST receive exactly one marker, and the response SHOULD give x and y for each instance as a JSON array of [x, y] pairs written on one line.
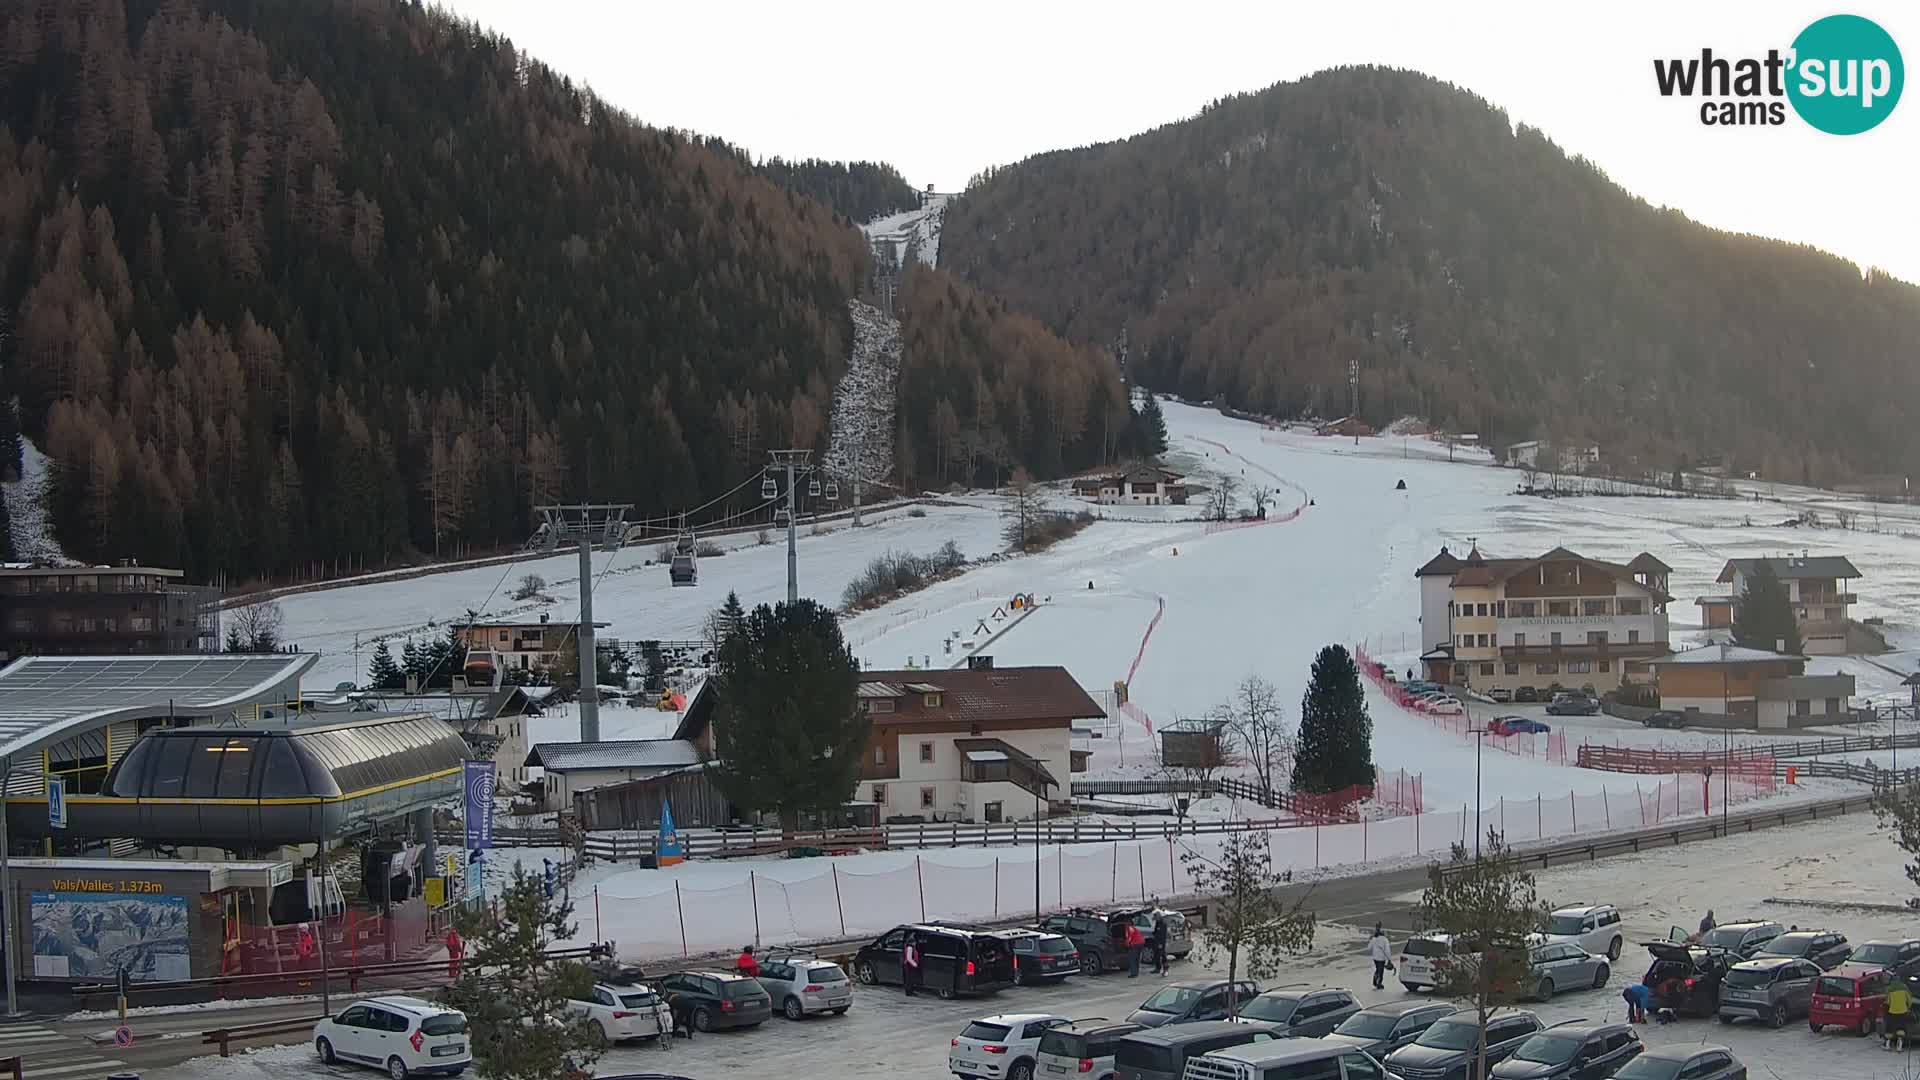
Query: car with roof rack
[[1042, 958], [1572, 1050], [1744, 937], [718, 1000], [621, 1007], [802, 985], [1082, 1048], [1097, 933], [1594, 927]]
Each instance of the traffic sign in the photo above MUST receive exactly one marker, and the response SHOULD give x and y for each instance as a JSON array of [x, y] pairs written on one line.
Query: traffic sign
[[123, 1036], [56, 802]]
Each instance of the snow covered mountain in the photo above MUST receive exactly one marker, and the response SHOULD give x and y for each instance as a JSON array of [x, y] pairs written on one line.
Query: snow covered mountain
[[911, 233]]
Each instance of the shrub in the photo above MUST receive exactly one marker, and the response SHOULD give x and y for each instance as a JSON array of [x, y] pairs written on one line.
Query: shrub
[[894, 573], [707, 549], [917, 512], [529, 587], [762, 538]]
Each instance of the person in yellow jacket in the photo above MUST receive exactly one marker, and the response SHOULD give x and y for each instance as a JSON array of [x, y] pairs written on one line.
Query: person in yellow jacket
[[1899, 1011]]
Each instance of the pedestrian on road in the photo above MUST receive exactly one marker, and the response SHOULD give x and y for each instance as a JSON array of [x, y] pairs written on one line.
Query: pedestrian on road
[[1380, 951], [456, 949], [910, 964], [1135, 940], [1159, 945]]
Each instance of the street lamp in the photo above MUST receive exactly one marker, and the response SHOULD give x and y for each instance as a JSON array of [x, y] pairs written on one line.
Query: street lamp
[[1039, 813], [1479, 741]]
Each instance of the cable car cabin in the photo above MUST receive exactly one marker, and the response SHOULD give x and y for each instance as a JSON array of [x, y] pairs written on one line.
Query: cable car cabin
[[481, 669], [684, 570]]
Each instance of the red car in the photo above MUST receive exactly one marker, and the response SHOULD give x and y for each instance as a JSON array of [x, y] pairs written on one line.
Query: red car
[[1850, 996]]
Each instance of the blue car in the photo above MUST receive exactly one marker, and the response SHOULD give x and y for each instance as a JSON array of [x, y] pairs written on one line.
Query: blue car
[[1516, 725]]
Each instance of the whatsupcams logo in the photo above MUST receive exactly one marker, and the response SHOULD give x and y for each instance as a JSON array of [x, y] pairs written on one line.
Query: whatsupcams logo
[[1842, 75]]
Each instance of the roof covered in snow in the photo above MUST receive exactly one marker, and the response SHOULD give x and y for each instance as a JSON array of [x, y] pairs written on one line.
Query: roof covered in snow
[[1041, 696], [1724, 653], [619, 754], [1793, 567]]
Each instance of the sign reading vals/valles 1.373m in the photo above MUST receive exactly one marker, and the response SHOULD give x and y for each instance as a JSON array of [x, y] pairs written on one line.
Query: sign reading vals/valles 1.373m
[[102, 885]]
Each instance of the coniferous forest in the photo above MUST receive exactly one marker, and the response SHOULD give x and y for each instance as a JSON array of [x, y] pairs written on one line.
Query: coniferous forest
[[1477, 275]]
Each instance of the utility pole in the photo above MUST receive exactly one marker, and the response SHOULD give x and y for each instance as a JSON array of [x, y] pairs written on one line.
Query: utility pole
[[797, 463], [586, 524], [1353, 388]]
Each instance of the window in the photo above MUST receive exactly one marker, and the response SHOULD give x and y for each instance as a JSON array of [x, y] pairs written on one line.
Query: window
[[879, 755], [1579, 667], [1833, 706], [1480, 609], [1555, 639], [1519, 641], [879, 704], [503, 635], [1606, 665], [1630, 605], [992, 812], [926, 752], [140, 623], [1466, 641], [1633, 637], [1596, 637], [926, 797], [1802, 707], [1596, 607], [1480, 640], [933, 701], [1560, 607], [1499, 609], [1513, 669], [1487, 669], [880, 794], [1523, 609], [1547, 668]]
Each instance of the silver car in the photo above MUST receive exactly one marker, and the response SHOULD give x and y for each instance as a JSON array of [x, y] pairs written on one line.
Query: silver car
[[1772, 989], [1565, 966], [803, 985]]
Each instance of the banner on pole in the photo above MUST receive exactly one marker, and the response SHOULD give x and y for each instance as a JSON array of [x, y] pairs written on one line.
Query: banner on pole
[[477, 781], [667, 850]]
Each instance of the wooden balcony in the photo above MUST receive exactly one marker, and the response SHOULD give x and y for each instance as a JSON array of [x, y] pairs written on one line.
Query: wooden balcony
[[1587, 650]]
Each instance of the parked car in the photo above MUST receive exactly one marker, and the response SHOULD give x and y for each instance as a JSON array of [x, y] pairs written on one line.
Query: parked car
[[1161, 1053], [1526, 695], [1418, 958], [624, 1010], [1772, 989], [1284, 1059], [953, 961], [1500, 694], [1572, 705], [1849, 996], [1683, 1061], [1185, 1002], [1744, 938], [1082, 1048], [1042, 958], [1414, 686], [1517, 725], [1446, 705], [719, 1000], [1686, 977], [1565, 966], [1445, 1051], [1098, 934], [406, 1036], [1827, 949], [1300, 1013], [1900, 957], [803, 985], [1574, 1050], [1665, 718], [1593, 927], [1384, 1028], [1002, 1047]]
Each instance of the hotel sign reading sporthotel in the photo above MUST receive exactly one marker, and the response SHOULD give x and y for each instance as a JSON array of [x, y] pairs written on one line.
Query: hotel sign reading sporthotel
[[103, 885]]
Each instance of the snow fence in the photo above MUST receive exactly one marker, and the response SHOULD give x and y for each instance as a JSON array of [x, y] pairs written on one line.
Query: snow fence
[[706, 907]]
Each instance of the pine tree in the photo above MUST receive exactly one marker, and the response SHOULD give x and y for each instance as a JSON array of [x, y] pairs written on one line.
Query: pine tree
[[514, 994], [234, 642], [1765, 615], [454, 652], [1153, 428], [790, 738], [1335, 748], [413, 664], [655, 679], [382, 672]]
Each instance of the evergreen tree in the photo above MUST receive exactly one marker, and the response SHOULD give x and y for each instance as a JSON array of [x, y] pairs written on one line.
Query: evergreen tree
[[1765, 616], [435, 656], [655, 664], [1153, 428], [454, 649], [1335, 747], [413, 664], [789, 736], [382, 672], [234, 642], [514, 994]]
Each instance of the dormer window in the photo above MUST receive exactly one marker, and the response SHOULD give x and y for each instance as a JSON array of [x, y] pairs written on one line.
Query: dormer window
[[933, 701], [879, 705]]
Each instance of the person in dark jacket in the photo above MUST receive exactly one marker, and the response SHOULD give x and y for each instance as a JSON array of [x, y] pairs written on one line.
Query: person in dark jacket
[[1159, 946], [1707, 923], [910, 964]]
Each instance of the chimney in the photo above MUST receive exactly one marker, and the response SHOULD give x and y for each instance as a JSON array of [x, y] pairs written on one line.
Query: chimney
[[979, 663]]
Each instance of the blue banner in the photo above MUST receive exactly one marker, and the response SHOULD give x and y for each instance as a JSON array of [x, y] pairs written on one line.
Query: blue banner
[[476, 779], [667, 850]]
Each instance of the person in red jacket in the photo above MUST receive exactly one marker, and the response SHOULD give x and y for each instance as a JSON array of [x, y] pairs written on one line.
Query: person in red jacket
[[456, 948], [1135, 941], [747, 965]]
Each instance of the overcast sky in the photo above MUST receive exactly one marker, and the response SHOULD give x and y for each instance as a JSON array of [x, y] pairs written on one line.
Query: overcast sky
[[944, 90]]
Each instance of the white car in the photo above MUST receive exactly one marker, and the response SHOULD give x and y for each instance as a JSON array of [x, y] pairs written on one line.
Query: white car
[[406, 1036], [1594, 927], [1419, 955], [1002, 1047], [1445, 703], [624, 1010], [803, 985]]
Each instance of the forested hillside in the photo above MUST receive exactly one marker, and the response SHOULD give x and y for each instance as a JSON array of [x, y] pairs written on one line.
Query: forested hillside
[[857, 190], [326, 281], [1477, 276]]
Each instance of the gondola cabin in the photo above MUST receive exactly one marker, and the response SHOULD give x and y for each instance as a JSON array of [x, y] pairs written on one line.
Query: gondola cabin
[[684, 570], [481, 669]]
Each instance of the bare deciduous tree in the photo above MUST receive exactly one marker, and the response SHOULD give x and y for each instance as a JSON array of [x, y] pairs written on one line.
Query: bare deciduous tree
[[1262, 498], [1221, 499], [529, 587], [255, 628], [1257, 727], [1024, 508]]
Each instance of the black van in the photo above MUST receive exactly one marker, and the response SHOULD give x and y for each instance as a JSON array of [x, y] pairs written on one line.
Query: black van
[[1162, 1053], [953, 960]]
